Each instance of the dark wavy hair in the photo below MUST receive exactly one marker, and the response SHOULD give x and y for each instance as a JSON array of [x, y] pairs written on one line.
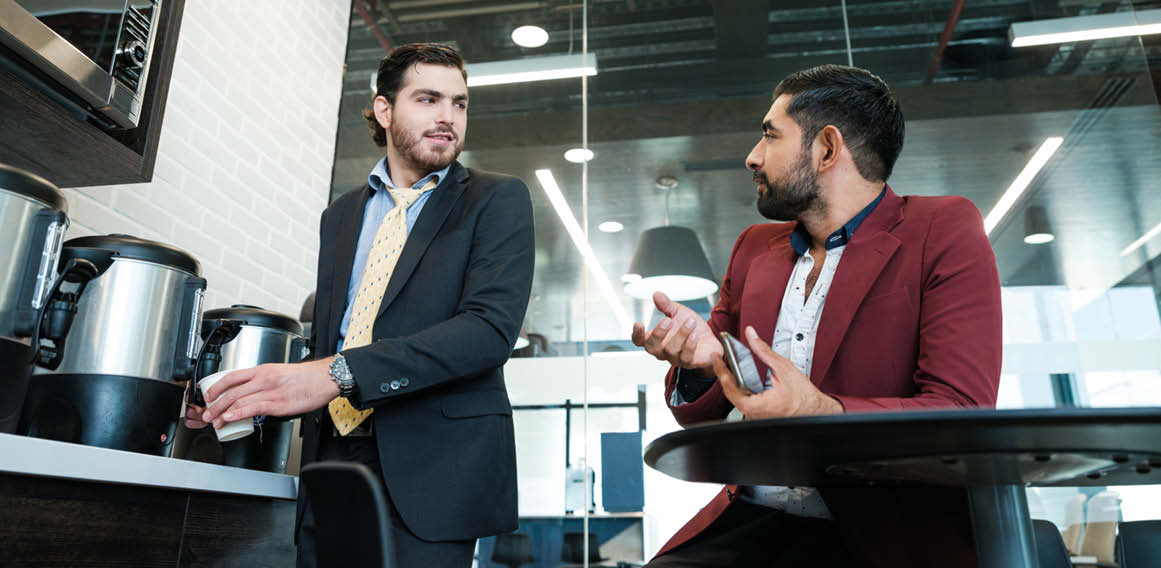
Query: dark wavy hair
[[856, 102], [393, 68]]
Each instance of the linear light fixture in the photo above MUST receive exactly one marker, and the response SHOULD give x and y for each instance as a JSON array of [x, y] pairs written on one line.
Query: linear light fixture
[[552, 190], [1082, 28], [1141, 241], [532, 69], [1022, 181]]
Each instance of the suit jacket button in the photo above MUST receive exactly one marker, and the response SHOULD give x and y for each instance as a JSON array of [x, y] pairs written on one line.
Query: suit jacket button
[[394, 385], [404, 382], [384, 387]]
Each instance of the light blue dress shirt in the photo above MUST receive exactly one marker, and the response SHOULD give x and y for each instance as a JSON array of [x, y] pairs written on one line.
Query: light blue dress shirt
[[377, 207]]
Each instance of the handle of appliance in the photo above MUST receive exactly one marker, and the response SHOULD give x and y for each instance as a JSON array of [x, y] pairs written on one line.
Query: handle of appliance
[[60, 308], [185, 355], [39, 271], [215, 334], [299, 349]]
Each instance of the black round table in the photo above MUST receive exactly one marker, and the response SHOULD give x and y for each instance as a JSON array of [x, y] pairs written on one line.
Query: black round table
[[995, 454]]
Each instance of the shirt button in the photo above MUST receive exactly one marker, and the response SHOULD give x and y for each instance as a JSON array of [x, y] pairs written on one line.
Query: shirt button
[[799, 337]]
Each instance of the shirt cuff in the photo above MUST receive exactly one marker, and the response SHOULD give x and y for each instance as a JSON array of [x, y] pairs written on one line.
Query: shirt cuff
[[688, 387]]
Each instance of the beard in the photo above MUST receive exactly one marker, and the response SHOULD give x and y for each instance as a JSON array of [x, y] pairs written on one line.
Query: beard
[[788, 198], [408, 146]]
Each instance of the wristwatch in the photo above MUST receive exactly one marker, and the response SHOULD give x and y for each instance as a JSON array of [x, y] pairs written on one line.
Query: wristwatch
[[341, 373]]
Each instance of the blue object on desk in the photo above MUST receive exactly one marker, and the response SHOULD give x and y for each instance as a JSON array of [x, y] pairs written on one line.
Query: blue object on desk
[[622, 472]]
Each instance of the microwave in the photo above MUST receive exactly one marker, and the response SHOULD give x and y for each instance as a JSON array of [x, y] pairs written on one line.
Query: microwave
[[92, 56]]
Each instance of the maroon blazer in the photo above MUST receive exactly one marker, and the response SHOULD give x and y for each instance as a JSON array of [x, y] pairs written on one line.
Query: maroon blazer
[[912, 320]]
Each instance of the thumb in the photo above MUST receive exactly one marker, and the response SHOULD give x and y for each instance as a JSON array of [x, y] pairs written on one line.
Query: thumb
[[664, 304], [760, 348]]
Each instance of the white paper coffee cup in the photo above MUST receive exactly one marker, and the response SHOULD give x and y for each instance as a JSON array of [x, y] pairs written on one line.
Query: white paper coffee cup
[[232, 430]]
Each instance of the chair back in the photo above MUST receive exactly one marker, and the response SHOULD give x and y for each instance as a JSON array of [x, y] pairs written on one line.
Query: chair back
[[512, 549], [352, 523], [1050, 547], [1139, 544], [573, 551]]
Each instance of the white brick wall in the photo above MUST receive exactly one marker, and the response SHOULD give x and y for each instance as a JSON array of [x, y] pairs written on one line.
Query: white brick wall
[[244, 163]]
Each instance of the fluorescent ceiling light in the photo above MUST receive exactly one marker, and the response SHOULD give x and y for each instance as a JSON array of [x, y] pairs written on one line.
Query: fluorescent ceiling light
[[1083, 28], [552, 190], [529, 36], [610, 227], [579, 155], [1141, 241], [1041, 157], [531, 69]]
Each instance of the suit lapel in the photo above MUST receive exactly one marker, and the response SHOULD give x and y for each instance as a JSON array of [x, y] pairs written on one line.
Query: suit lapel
[[769, 274], [864, 258], [435, 211], [350, 224]]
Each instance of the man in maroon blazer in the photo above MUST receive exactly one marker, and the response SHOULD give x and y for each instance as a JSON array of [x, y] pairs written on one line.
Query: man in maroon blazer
[[864, 301]]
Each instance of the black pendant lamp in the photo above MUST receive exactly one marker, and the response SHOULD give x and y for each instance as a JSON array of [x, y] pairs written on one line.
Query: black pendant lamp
[[669, 259]]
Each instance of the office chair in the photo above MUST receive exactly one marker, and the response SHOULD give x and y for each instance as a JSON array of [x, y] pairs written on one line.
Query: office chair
[[573, 551], [1050, 545], [352, 523], [512, 550], [1139, 544]]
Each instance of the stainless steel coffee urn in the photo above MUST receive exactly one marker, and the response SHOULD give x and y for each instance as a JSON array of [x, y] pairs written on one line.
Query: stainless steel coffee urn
[[240, 337], [33, 220], [134, 333]]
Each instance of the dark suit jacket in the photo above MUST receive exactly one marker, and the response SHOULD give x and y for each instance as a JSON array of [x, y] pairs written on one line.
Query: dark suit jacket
[[912, 320], [447, 323]]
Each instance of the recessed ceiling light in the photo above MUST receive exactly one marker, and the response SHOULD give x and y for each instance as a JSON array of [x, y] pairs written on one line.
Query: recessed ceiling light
[[529, 36], [1039, 238], [610, 227], [579, 155]]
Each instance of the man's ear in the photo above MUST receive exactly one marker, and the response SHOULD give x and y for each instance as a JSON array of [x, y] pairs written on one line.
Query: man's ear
[[830, 144], [382, 111]]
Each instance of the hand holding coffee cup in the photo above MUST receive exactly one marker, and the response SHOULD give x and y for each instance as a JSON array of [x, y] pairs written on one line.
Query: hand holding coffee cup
[[231, 430]]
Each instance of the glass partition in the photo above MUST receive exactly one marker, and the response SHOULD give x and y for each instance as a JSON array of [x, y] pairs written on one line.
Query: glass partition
[[679, 89]]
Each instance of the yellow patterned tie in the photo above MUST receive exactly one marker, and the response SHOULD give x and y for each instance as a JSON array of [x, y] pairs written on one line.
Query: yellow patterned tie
[[385, 250]]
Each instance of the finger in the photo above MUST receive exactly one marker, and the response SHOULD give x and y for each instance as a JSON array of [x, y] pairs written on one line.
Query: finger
[[257, 404], [229, 381], [657, 336], [728, 383], [638, 335], [223, 403], [678, 334], [762, 349], [664, 304], [689, 348]]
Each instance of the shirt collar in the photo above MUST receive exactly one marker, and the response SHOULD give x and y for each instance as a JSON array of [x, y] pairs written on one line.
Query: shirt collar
[[380, 177], [800, 237]]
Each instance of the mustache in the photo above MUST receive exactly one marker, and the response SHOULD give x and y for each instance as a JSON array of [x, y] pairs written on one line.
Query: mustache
[[760, 177], [441, 131]]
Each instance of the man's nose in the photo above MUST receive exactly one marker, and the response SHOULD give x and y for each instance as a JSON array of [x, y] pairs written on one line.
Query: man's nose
[[754, 160]]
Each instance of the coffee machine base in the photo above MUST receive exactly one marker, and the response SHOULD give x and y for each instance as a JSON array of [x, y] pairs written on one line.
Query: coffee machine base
[[14, 373], [267, 449], [106, 411]]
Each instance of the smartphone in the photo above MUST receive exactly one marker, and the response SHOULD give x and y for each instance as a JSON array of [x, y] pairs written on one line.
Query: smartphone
[[741, 363]]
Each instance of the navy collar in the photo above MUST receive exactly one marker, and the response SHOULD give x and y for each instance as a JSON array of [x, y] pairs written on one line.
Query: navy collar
[[800, 238]]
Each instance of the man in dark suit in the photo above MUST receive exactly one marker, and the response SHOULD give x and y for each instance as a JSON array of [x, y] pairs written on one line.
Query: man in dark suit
[[912, 320], [423, 280]]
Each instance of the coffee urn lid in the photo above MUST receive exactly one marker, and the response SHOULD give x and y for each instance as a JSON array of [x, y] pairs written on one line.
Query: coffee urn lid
[[28, 184], [255, 316], [127, 246]]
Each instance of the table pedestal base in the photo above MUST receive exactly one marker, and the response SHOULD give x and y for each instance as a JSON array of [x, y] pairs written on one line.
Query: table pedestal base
[[1002, 526]]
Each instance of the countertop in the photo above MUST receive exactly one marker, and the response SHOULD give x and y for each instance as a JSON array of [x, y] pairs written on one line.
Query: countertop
[[23, 455]]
